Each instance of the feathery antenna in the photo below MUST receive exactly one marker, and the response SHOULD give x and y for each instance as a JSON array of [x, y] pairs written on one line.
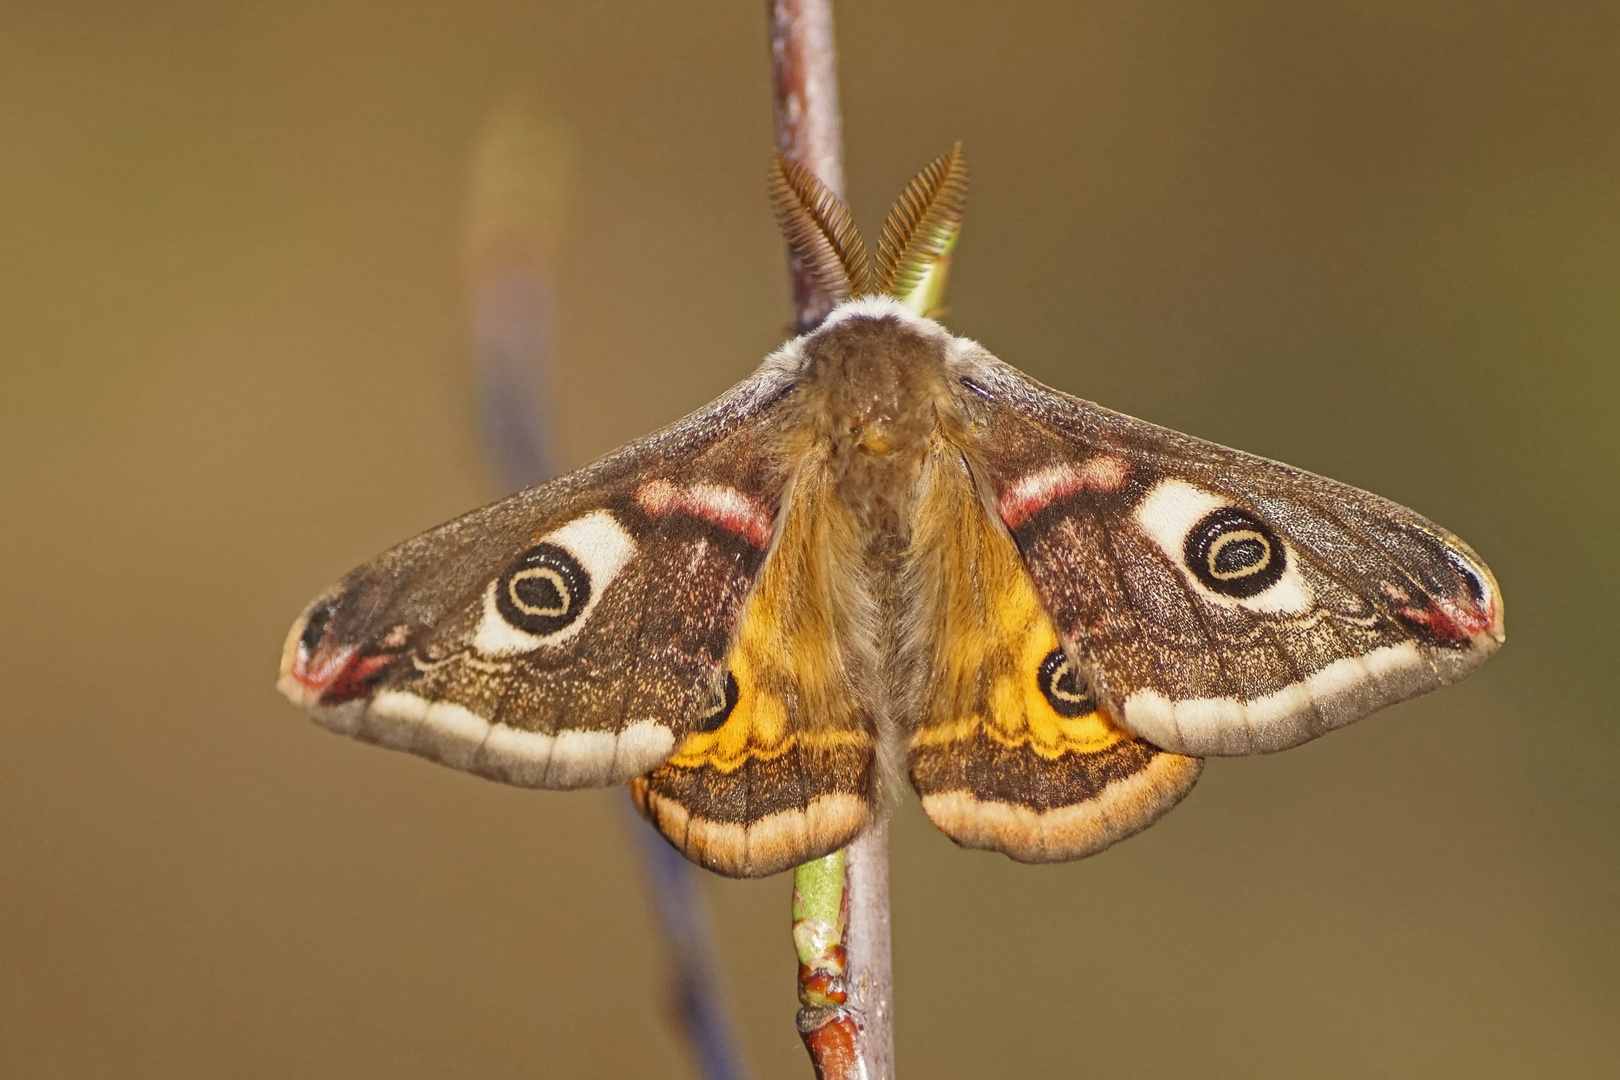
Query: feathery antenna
[[914, 253], [819, 230]]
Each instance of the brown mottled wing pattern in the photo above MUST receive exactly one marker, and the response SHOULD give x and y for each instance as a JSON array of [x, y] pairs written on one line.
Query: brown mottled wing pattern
[[1010, 749], [1218, 603], [572, 634]]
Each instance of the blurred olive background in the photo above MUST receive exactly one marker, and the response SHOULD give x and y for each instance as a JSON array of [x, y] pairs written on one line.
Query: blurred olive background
[[1379, 240]]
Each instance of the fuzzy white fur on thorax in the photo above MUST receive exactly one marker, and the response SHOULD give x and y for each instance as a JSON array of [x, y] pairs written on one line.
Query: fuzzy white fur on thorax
[[789, 358], [873, 307]]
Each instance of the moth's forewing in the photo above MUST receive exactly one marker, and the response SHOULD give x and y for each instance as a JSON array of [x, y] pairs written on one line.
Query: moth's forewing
[[1221, 603], [569, 635]]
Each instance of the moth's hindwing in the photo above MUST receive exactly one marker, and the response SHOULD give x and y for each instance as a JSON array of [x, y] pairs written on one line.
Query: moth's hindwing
[[1220, 602], [1014, 752], [780, 767], [567, 636]]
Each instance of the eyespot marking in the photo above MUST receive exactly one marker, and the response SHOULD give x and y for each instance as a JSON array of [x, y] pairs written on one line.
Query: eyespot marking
[[1227, 553], [544, 591], [719, 709], [1064, 688], [547, 595], [1234, 553]]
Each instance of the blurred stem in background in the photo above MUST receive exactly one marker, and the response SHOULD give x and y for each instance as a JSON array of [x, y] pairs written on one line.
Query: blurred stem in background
[[522, 169]]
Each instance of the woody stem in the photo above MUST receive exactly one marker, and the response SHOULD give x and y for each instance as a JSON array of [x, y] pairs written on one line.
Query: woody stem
[[808, 127]]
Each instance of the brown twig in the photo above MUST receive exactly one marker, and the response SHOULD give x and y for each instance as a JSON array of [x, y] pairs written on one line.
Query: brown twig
[[849, 1033], [808, 128]]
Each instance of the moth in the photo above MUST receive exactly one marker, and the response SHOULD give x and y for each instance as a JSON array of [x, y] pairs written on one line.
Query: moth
[[888, 552]]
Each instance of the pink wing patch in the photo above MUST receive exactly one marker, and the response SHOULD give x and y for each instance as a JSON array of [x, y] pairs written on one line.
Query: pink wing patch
[[724, 507], [330, 674], [1445, 620], [1035, 492]]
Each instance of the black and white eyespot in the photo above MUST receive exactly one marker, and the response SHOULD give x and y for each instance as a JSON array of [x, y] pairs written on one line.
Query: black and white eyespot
[[1065, 689], [547, 595], [1235, 553], [1227, 553], [719, 709], [544, 591]]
